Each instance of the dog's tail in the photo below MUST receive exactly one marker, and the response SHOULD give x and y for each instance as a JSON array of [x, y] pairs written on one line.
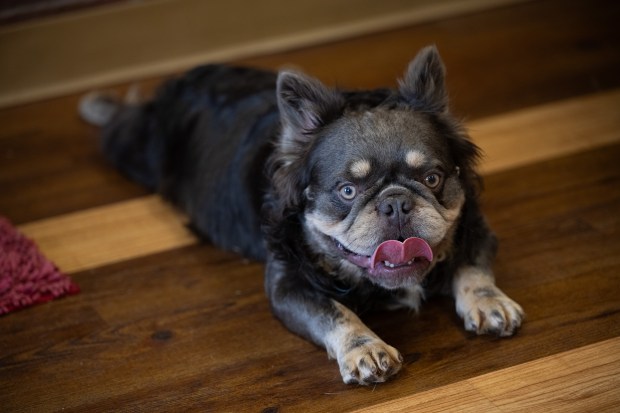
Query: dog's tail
[[99, 108], [127, 138]]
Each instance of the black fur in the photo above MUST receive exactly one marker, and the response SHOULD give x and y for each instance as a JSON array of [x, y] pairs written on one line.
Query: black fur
[[191, 131], [243, 151]]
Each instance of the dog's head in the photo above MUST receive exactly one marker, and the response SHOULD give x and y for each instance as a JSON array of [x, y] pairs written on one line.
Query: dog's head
[[379, 180]]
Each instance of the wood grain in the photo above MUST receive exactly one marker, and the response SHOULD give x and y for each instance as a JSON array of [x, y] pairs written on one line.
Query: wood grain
[[105, 235], [184, 33], [190, 328], [543, 132], [51, 164], [567, 382], [142, 226]]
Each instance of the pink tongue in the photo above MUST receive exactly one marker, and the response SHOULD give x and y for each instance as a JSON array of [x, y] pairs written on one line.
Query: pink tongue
[[400, 253]]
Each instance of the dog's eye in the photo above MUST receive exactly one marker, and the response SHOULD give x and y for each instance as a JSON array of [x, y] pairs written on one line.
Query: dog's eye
[[432, 180], [348, 192]]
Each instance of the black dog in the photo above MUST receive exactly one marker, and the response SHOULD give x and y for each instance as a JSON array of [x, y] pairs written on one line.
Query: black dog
[[355, 199]]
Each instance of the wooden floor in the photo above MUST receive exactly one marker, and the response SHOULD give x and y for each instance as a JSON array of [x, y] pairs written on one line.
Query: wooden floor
[[166, 324]]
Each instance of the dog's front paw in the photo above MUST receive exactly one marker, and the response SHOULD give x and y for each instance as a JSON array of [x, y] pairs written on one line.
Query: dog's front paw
[[487, 310], [369, 360]]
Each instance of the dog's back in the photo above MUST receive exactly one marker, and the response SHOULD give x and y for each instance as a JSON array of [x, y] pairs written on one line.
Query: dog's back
[[201, 142]]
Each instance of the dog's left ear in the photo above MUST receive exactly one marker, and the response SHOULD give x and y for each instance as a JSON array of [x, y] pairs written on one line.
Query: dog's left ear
[[423, 85], [305, 105]]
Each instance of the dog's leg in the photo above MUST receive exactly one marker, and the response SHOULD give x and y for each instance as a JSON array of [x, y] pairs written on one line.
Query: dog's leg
[[362, 356], [485, 308]]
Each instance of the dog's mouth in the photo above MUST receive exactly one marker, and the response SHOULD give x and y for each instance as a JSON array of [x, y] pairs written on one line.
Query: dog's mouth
[[393, 261]]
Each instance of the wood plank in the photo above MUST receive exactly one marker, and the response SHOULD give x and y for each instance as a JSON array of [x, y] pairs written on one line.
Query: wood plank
[[184, 33], [50, 163], [569, 382], [191, 328], [456, 398], [117, 232], [573, 381], [142, 226], [544, 132], [558, 50]]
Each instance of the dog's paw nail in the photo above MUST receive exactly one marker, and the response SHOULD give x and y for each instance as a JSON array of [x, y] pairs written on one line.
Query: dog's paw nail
[[497, 316], [492, 313], [369, 363], [384, 361], [349, 380]]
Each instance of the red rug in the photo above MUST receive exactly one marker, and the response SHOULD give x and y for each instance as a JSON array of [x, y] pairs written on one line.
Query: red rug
[[26, 276]]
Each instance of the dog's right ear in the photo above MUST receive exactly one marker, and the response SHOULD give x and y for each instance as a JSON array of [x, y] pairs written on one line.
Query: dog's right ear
[[305, 105]]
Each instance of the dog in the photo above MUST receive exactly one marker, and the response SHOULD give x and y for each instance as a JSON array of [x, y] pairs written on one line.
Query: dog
[[355, 200]]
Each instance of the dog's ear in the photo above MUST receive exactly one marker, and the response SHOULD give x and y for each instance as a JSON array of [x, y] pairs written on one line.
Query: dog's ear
[[305, 105], [423, 86]]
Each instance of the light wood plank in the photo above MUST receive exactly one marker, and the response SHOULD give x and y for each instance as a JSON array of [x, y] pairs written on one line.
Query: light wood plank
[[109, 234], [580, 380], [148, 225], [460, 397], [570, 382], [544, 132]]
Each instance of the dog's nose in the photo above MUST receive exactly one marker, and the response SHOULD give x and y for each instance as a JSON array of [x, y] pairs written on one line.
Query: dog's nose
[[394, 205]]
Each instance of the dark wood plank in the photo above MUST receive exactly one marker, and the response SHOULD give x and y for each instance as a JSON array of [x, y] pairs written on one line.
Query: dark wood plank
[[191, 328], [499, 60], [51, 163]]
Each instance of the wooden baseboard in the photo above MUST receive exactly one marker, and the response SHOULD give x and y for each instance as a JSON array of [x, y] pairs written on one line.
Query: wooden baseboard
[[132, 41]]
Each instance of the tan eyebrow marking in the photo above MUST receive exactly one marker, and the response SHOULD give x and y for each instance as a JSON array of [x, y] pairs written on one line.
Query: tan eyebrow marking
[[414, 158], [360, 169]]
